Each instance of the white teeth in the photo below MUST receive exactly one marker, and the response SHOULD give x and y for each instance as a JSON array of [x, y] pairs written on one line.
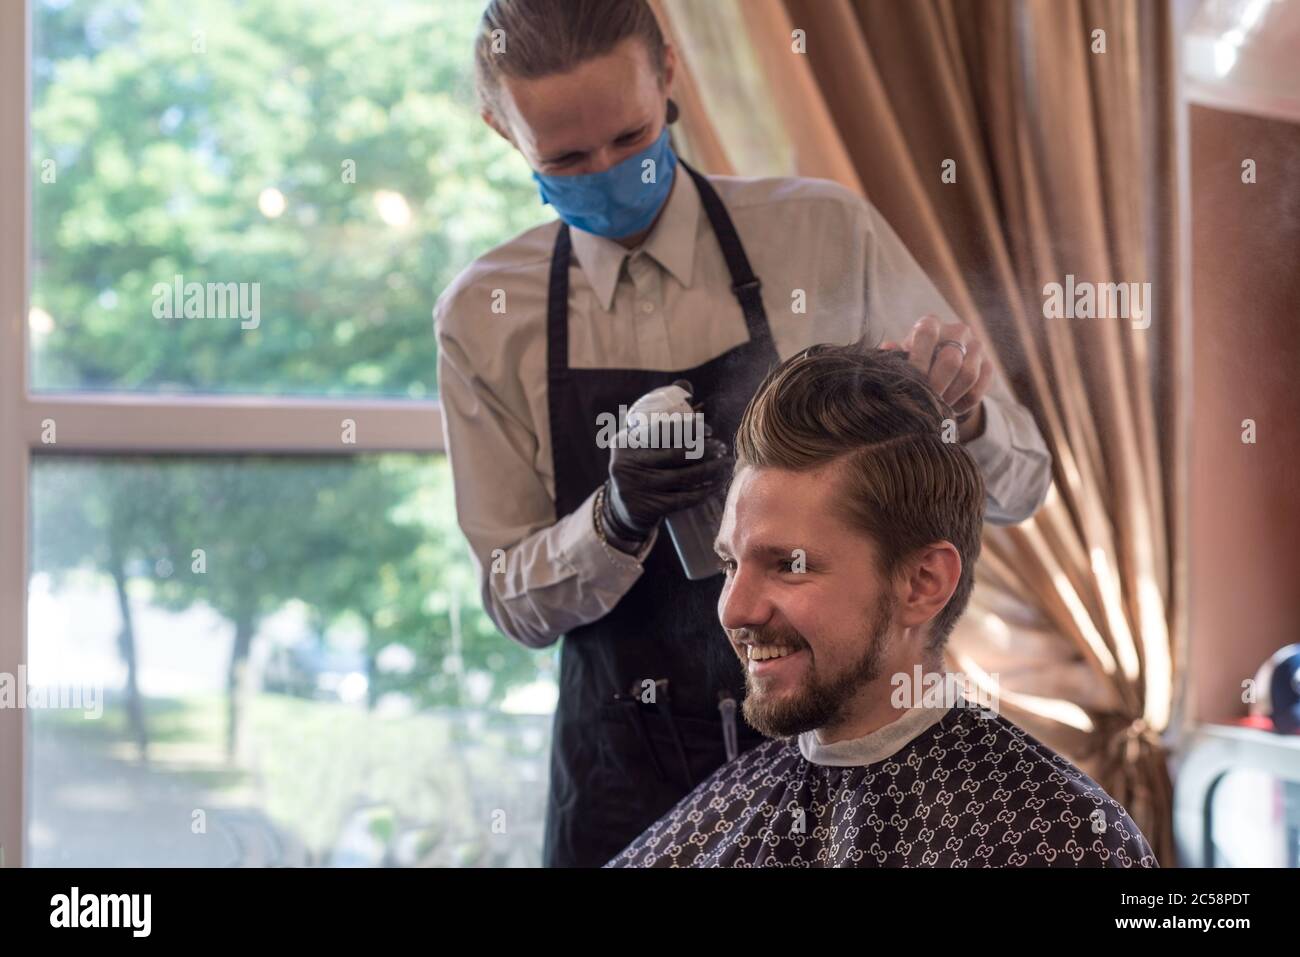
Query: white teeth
[[757, 653]]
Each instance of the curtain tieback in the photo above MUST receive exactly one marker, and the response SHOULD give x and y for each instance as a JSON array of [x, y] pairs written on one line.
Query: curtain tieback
[[1129, 741]]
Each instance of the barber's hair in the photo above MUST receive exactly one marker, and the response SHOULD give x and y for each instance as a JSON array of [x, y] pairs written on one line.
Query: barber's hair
[[538, 38], [903, 485]]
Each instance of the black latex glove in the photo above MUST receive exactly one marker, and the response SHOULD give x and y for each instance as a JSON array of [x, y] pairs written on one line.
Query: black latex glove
[[646, 485]]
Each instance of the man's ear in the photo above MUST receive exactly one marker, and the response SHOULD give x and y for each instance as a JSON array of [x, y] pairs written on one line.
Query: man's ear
[[491, 120], [927, 581]]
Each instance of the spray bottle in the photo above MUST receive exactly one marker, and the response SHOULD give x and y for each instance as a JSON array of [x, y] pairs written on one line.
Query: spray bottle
[[692, 530]]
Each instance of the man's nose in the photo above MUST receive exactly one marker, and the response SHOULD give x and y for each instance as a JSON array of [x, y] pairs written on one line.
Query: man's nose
[[743, 603], [602, 159]]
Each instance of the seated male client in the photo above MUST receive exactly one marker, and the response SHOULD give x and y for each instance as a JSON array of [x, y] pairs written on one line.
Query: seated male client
[[849, 542]]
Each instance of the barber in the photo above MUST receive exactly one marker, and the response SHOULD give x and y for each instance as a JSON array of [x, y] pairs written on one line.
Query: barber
[[654, 274]]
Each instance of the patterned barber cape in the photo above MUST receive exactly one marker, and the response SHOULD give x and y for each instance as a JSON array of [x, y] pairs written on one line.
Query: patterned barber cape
[[956, 788]]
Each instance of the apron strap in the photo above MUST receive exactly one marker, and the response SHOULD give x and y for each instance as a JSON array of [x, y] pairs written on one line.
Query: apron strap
[[557, 308], [745, 285]]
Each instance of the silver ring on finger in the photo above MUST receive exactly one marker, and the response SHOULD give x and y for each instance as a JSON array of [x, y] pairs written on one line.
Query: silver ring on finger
[[961, 346]]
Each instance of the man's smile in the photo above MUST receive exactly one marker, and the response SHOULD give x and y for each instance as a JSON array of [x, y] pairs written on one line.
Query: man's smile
[[765, 660]]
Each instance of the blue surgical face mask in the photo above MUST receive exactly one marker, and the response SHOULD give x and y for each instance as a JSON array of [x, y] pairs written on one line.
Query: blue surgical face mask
[[620, 201]]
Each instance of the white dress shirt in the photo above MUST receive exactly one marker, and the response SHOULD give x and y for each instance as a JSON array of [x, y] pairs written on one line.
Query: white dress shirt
[[832, 270]]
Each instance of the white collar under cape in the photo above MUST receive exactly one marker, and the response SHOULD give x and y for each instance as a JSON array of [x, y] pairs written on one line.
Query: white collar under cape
[[876, 746]]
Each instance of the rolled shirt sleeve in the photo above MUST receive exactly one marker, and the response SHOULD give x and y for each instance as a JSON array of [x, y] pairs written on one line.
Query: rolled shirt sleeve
[[540, 575]]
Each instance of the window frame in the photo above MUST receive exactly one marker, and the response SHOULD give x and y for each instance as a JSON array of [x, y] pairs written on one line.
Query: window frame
[[121, 423]]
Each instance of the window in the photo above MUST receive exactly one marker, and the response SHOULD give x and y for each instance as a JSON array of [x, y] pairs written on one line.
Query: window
[[234, 597], [255, 197]]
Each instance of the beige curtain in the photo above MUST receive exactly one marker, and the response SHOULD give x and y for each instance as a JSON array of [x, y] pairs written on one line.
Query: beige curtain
[[1064, 163], [694, 135]]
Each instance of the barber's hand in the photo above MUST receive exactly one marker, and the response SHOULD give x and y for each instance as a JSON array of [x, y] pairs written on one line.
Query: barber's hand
[[645, 485], [962, 380]]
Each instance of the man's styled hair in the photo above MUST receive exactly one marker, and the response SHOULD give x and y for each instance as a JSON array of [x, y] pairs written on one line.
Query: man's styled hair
[[903, 484], [528, 39]]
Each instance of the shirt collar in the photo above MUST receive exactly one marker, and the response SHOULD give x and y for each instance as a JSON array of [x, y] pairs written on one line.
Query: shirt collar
[[671, 243], [877, 746]]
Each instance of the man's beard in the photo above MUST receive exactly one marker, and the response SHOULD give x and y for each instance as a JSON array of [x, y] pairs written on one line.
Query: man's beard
[[820, 700]]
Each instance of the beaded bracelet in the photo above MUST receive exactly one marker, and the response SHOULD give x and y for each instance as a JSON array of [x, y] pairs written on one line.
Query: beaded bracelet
[[597, 510]]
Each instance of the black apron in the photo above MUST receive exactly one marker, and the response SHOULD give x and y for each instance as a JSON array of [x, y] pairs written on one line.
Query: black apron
[[619, 762]]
